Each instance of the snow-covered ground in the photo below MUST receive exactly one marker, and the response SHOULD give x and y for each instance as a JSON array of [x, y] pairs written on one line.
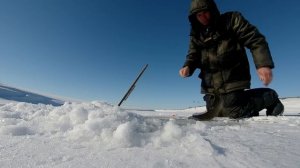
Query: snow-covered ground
[[11, 94], [96, 134]]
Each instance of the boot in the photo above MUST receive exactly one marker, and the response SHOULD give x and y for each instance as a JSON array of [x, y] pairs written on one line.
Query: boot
[[265, 98], [205, 116], [276, 109]]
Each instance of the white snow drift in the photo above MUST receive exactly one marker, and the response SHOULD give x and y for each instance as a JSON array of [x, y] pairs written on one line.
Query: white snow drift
[[96, 134]]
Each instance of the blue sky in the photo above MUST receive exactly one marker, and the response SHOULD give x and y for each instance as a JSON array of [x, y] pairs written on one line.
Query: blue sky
[[93, 49]]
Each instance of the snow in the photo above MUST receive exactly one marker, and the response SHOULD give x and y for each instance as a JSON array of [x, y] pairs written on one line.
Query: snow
[[8, 94], [97, 134]]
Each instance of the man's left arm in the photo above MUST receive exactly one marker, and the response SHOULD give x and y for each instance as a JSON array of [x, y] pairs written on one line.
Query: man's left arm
[[250, 37]]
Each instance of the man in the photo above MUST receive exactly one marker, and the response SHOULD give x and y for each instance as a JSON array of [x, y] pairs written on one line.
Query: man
[[217, 48]]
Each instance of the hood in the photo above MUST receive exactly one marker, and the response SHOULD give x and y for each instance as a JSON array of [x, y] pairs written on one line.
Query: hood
[[200, 5]]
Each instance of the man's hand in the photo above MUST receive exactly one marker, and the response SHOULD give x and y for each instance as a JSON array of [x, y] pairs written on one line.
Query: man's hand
[[265, 75], [184, 72]]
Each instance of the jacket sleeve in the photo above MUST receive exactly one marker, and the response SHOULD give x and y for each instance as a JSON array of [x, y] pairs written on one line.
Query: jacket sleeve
[[249, 36], [193, 58]]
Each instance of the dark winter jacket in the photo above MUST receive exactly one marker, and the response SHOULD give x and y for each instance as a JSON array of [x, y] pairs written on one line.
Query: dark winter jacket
[[219, 50]]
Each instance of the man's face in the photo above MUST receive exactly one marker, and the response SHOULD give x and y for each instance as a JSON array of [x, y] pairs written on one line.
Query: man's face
[[204, 17]]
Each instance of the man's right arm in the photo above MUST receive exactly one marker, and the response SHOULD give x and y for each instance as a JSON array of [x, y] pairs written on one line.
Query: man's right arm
[[192, 61]]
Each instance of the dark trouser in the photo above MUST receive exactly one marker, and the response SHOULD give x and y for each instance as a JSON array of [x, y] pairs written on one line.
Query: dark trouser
[[241, 103]]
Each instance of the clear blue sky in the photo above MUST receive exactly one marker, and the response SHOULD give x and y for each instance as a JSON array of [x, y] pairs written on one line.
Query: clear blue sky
[[93, 49]]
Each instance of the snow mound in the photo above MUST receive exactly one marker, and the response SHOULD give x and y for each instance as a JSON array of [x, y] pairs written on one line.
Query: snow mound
[[96, 122], [87, 122], [97, 134]]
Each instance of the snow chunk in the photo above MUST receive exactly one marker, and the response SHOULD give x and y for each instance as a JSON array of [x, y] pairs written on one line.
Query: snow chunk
[[16, 130], [171, 132]]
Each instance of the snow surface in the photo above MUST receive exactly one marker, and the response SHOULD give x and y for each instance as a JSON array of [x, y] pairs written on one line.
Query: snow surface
[[8, 94], [97, 134]]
